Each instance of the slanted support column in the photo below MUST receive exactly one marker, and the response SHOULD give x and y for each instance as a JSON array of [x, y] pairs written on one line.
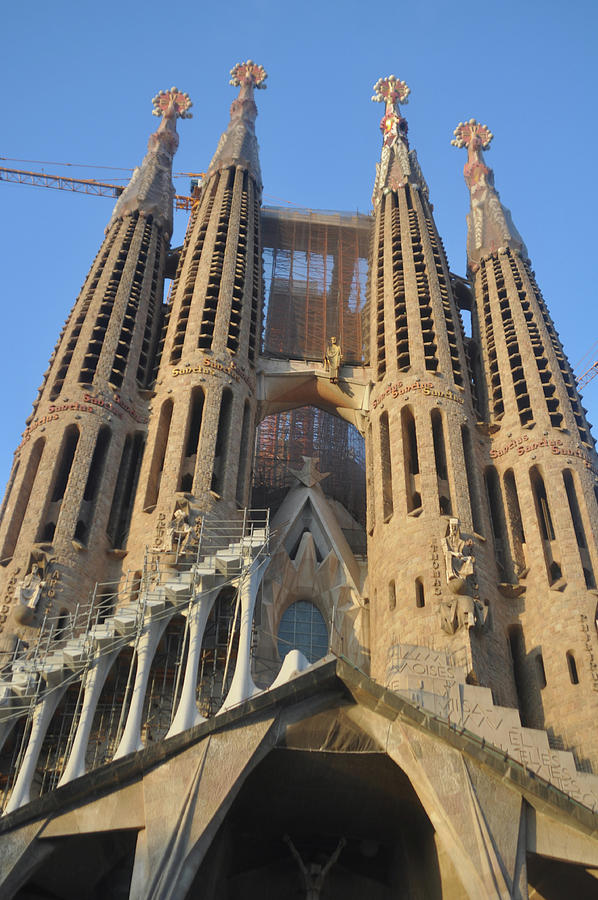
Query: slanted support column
[[94, 682], [146, 649], [187, 714], [243, 687], [41, 720]]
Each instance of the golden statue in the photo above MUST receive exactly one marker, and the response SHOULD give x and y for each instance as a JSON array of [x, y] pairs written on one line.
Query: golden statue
[[333, 359]]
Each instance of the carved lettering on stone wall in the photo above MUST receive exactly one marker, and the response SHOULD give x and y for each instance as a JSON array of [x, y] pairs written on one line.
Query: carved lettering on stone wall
[[435, 559], [399, 389], [213, 367], [523, 444], [160, 529], [587, 635]]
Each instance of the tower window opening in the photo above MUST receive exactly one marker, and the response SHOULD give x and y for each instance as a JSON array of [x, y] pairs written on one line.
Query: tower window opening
[[371, 505], [392, 595], [497, 518], [124, 491], [243, 454], [22, 501], [47, 532], [472, 485], [515, 520], [444, 495], [517, 647], [85, 300], [96, 467], [377, 285], [67, 455], [572, 665], [542, 507], [212, 293], [540, 670], [157, 465], [62, 623], [256, 275], [544, 518], [302, 627], [191, 445], [420, 597], [386, 466], [578, 526], [94, 347], [411, 459], [222, 441]]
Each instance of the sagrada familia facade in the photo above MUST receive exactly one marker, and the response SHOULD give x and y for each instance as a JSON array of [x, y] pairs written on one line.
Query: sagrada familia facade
[[202, 698]]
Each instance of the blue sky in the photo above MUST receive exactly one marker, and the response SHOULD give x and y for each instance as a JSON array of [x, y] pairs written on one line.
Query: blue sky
[[78, 81]]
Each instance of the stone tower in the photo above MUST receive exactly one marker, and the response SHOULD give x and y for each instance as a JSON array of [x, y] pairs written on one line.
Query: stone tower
[[70, 494], [432, 576], [200, 441], [542, 472]]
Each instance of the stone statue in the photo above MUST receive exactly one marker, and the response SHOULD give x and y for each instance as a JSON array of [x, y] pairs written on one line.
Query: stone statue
[[314, 875], [179, 531], [333, 359], [458, 557], [28, 592], [462, 612]]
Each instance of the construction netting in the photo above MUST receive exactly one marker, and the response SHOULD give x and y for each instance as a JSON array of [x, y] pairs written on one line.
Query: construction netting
[[315, 273]]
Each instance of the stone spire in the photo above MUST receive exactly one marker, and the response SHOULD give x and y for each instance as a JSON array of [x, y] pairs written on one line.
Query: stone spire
[[238, 145], [398, 164], [150, 190], [489, 223]]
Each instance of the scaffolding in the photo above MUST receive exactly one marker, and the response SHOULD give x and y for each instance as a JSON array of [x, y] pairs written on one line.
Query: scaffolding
[[316, 265], [315, 268], [216, 556]]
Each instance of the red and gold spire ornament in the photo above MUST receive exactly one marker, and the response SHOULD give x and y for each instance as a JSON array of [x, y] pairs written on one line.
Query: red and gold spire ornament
[[172, 104], [248, 74], [475, 137], [392, 91]]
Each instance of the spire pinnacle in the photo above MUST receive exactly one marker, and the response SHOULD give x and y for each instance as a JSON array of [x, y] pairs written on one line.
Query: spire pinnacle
[[398, 165], [490, 226], [238, 145], [392, 91], [150, 190], [248, 74]]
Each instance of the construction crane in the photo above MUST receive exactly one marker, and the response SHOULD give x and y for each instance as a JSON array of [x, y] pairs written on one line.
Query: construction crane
[[587, 376], [84, 185]]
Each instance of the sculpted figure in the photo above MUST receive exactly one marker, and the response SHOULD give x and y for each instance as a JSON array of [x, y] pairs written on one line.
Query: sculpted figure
[[31, 587], [179, 531], [333, 359], [28, 592], [314, 875], [458, 556], [462, 612]]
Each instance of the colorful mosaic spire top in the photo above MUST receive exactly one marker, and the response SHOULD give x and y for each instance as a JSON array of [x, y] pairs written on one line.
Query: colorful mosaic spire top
[[472, 134], [248, 74], [172, 103], [392, 91]]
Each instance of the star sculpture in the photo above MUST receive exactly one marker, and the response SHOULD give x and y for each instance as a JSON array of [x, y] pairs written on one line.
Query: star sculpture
[[308, 474]]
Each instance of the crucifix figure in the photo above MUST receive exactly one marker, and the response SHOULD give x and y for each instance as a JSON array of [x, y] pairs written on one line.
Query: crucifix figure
[[314, 875]]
